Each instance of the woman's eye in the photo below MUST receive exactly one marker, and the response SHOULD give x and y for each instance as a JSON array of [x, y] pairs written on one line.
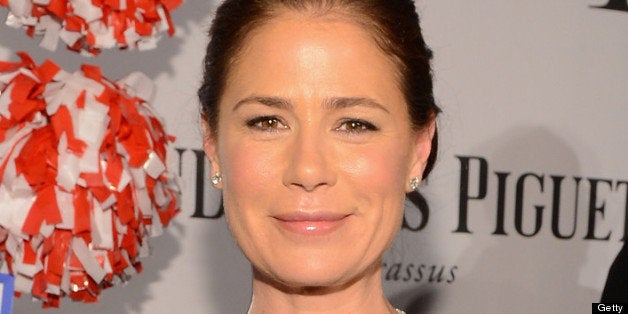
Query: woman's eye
[[356, 126], [266, 124]]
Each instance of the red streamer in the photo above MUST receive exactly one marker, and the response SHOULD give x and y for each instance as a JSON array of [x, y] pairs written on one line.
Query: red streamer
[[104, 24], [73, 153]]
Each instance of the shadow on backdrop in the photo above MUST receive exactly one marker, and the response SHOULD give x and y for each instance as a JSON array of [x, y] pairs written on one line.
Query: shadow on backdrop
[[512, 273], [414, 246], [518, 274], [228, 279]]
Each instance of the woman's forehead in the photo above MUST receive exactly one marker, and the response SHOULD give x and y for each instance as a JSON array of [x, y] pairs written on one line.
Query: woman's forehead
[[301, 52]]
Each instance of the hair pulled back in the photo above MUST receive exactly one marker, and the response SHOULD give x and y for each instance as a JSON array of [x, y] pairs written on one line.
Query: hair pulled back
[[394, 24]]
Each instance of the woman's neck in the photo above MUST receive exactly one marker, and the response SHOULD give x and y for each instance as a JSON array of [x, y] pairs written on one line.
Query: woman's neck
[[364, 295]]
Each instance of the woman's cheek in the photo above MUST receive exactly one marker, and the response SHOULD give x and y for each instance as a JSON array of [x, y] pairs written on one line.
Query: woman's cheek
[[378, 167], [250, 167]]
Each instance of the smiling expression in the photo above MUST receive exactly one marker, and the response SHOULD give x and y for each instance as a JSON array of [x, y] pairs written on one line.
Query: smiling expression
[[316, 149]]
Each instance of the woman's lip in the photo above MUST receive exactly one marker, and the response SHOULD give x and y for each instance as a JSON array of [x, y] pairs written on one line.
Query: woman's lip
[[310, 216], [311, 223]]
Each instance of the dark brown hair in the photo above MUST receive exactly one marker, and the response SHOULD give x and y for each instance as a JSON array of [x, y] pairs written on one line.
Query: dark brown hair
[[394, 24]]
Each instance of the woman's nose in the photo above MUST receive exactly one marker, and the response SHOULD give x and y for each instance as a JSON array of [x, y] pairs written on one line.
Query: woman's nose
[[309, 164]]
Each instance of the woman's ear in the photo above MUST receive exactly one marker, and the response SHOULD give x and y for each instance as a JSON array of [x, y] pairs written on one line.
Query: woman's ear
[[422, 148], [210, 146]]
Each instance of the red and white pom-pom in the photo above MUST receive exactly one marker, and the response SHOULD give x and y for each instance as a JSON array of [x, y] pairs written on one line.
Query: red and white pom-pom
[[87, 26], [83, 179]]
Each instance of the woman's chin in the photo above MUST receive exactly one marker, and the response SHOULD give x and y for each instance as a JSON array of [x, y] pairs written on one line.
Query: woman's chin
[[307, 284], [304, 277], [312, 278]]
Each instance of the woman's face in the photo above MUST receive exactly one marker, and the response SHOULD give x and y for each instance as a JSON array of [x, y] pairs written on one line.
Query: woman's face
[[316, 149]]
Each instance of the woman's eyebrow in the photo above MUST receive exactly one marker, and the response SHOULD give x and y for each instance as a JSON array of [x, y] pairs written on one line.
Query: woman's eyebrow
[[347, 102], [329, 104], [276, 102]]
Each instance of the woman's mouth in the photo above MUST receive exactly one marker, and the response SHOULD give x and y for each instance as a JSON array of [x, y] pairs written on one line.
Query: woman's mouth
[[316, 223]]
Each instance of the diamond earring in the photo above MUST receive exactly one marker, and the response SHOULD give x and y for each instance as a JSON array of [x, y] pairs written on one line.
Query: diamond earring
[[414, 183], [217, 178]]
